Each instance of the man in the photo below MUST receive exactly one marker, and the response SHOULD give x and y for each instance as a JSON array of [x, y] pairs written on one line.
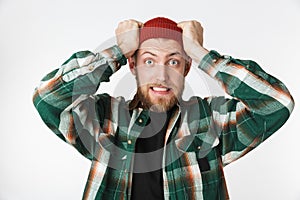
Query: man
[[158, 146]]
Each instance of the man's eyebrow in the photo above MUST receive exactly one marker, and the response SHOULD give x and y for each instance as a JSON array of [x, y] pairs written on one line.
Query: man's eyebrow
[[145, 52], [175, 53], [169, 55]]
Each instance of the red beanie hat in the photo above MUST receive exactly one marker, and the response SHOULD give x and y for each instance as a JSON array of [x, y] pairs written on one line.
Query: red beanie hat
[[161, 27]]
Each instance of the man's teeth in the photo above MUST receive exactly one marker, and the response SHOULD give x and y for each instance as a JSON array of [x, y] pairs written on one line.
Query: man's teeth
[[160, 89]]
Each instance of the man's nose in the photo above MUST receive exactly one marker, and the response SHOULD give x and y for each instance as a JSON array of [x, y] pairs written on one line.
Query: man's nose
[[162, 74]]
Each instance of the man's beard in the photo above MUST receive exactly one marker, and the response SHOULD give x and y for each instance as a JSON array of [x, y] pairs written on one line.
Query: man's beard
[[159, 104]]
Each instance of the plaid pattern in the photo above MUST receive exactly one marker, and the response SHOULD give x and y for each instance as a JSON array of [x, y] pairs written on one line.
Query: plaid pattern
[[203, 135]]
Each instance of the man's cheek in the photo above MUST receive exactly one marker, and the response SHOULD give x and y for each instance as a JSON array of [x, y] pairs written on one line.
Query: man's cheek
[[143, 81]]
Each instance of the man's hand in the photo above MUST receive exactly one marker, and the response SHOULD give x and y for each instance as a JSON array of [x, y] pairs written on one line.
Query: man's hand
[[127, 34], [192, 33]]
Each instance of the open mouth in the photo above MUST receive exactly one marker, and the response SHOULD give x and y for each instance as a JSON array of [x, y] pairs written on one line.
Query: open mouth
[[160, 89]]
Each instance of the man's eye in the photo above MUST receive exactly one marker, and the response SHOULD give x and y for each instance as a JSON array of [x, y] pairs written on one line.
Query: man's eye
[[149, 62], [173, 62]]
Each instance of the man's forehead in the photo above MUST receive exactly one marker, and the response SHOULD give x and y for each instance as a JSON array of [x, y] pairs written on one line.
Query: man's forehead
[[163, 45]]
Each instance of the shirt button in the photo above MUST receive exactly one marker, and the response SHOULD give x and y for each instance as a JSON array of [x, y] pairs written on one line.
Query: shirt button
[[140, 120], [199, 147], [91, 67], [214, 60], [129, 141]]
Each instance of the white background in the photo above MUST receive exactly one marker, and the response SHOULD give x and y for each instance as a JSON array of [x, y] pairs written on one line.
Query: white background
[[37, 36]]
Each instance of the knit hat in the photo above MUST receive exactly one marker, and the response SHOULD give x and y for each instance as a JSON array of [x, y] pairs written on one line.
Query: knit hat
[[161, 27]]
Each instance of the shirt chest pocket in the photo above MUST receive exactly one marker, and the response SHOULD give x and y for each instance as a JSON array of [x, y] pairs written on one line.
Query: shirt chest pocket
[[205, 148]]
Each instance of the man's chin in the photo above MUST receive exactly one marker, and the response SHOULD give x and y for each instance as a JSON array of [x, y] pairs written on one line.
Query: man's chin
[[163, 104]]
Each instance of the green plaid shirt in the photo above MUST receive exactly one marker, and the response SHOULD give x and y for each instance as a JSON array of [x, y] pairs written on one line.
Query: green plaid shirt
[[203, 135]]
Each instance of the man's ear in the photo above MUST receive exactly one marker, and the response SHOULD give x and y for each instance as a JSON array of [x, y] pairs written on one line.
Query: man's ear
[[131, 63], [187, 66]]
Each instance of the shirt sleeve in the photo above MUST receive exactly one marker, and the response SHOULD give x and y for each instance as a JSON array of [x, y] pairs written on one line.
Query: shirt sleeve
[[66, 100], [259, 106]]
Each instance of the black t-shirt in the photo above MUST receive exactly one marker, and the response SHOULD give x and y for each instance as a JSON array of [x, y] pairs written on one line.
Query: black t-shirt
[[147, 181]]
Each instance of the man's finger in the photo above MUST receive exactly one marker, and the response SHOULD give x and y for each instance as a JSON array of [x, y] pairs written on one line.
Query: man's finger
[[182, 24]]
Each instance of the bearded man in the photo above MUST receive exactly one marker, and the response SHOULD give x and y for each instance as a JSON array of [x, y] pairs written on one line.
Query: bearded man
[[158, 146]]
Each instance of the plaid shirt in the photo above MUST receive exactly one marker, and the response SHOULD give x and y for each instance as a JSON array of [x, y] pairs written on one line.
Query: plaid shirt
[[203, 135]]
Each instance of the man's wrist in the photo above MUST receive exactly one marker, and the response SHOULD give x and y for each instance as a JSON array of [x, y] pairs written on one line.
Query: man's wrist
[[198, 53], [116, 55]]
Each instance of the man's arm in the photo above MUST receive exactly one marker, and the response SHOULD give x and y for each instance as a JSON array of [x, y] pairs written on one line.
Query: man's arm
[[65, 97], [261, 103]]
